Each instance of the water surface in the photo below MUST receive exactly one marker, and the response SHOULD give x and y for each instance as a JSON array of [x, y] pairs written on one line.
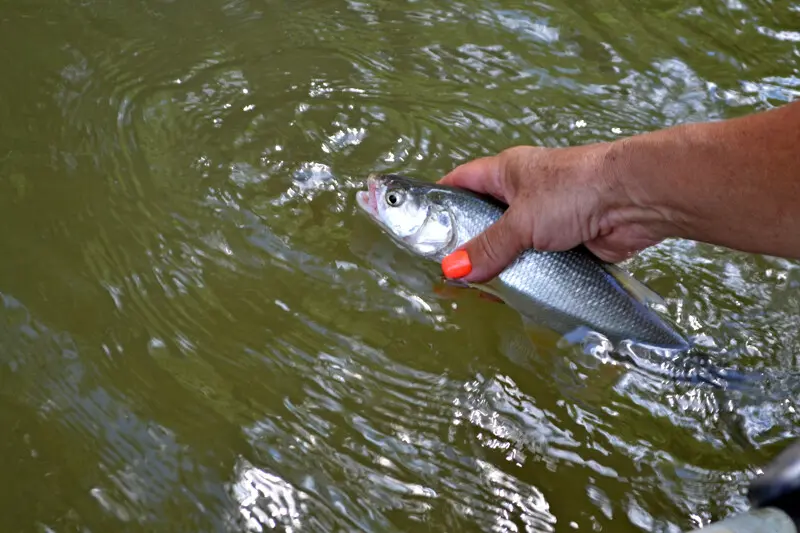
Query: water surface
[[200, 331]]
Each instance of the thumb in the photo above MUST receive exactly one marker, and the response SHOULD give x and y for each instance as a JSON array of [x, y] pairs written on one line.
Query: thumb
[[488, 254]]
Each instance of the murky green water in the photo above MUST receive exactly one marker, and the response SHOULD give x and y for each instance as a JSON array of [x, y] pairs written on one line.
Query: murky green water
[[200, 332]]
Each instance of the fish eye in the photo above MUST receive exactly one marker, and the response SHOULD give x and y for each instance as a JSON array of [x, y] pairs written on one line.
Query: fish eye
[[395, 198]]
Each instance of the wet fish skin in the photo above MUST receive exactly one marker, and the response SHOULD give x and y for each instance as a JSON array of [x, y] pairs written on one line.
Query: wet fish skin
[[574, 286]]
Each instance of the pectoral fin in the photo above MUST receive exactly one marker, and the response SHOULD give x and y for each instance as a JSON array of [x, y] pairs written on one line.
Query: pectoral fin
[[636, 288], [485, 291], [488, 289]]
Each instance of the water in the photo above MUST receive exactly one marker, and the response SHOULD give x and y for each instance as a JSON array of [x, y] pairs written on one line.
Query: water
[[201, 333]]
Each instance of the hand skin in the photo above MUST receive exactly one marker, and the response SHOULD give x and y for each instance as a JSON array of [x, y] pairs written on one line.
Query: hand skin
[[733, 183]]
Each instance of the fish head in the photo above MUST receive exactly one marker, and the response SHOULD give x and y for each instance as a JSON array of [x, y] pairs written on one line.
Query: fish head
[[409, 212]]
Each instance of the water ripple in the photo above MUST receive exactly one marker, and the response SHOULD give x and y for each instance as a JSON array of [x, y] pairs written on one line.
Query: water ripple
[[211, 335]]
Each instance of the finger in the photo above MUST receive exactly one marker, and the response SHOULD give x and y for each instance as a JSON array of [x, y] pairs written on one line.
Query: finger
[[488, 254], [622, 243], [609, 254], [481, 175]]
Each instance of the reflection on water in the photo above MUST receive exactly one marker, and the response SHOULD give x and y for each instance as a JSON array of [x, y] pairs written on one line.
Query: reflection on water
[[201, 333], [266, 501]]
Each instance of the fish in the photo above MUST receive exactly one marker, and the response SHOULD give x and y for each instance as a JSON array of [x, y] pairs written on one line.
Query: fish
[[572, 291]]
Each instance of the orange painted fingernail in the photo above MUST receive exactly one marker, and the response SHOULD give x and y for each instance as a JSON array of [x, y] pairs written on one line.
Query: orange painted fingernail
[[457, 264]]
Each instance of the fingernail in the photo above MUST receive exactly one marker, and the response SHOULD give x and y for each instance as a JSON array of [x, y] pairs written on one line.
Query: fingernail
[[457, 264]]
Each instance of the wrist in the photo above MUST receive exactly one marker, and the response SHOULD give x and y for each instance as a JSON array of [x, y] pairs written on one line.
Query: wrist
[[644, 170]]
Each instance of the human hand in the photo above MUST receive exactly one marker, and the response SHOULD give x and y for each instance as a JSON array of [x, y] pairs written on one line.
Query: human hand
[[558, 198]]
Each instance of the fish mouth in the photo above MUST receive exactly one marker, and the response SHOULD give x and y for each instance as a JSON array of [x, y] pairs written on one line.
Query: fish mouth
[[368, 200]]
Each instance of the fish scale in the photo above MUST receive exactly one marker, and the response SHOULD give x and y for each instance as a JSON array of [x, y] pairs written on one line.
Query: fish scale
[[573, 287]]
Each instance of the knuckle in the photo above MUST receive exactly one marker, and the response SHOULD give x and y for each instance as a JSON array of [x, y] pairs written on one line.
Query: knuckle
[[544, 244], [490, 247], [521, 226], [514, 152], [543, 240]]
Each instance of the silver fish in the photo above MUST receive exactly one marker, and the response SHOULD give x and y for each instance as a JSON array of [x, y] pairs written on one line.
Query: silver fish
[[570, 290]]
